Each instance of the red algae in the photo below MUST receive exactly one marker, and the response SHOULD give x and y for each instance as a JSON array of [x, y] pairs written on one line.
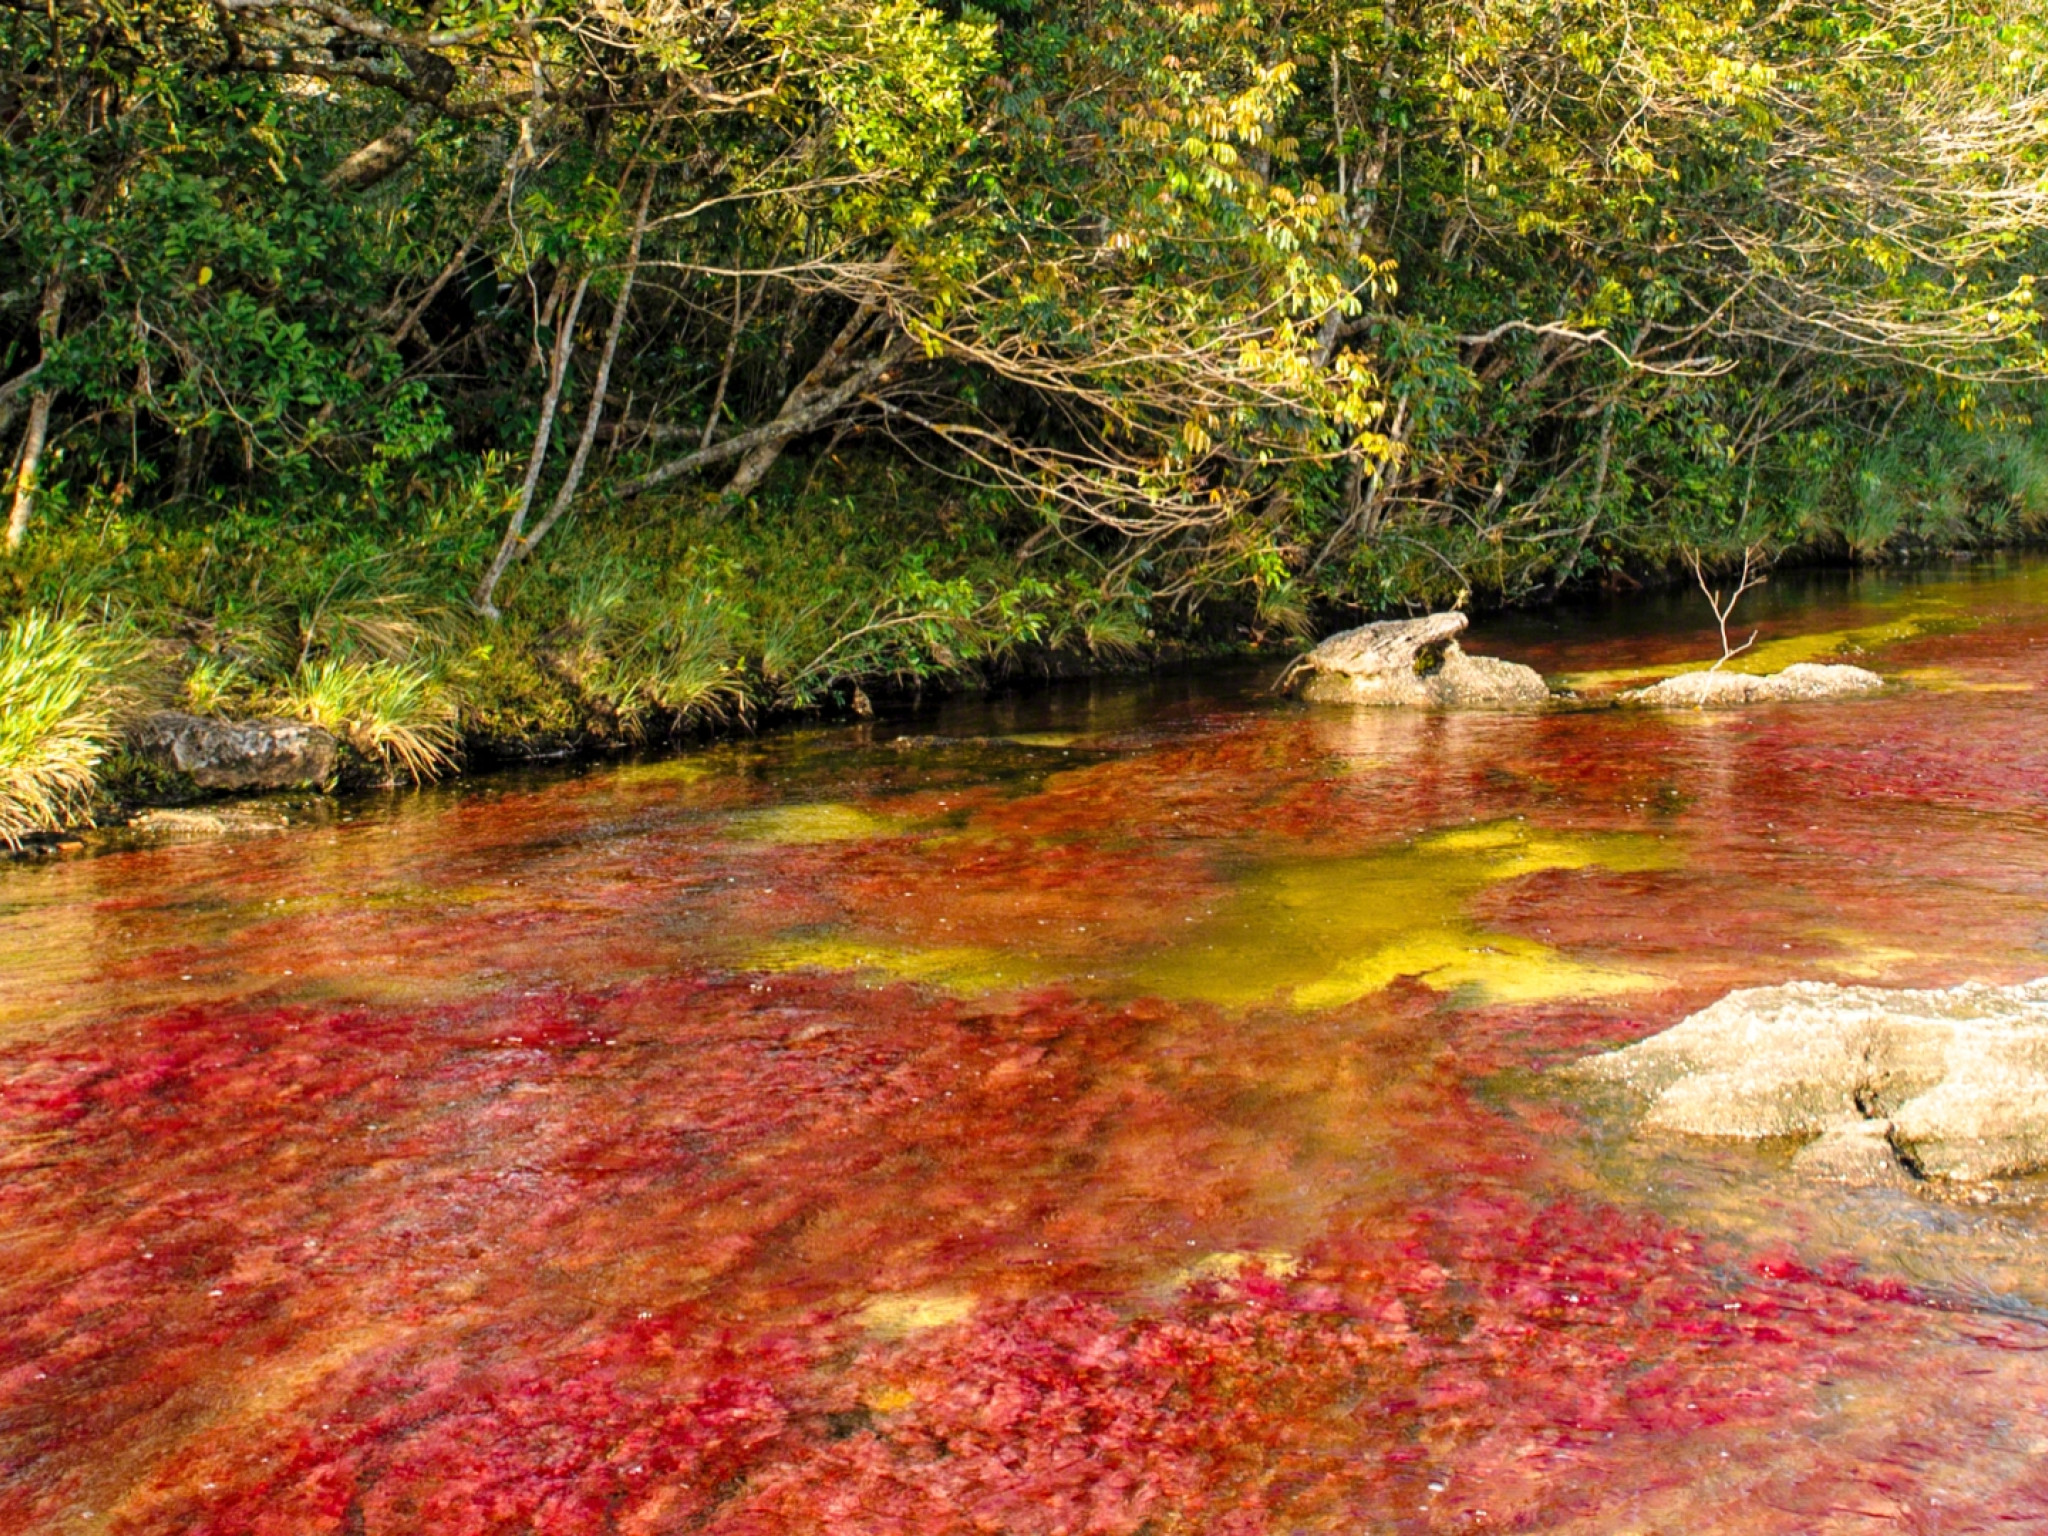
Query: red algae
[[460, 1165]]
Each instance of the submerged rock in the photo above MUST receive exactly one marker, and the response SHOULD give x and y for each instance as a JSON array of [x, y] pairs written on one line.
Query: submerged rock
[[237, 754], [1854, 1152], [1948, 1084], [1720, 690], [177, 825], [1413, 662]]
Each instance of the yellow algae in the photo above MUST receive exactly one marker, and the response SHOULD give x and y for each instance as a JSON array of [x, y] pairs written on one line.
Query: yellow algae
[[1948, 680], [915, 1311], [822, 822], [1325, 932], [1043, 738], [1617, 677], [1504, 969], [890, 1399], [680, 771], [961, 969], [1862, 958], [1229, 1265], [431, 899], [1521, 850], [1776, 655]]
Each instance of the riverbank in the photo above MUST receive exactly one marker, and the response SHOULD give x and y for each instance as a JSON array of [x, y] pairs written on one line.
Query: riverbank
[[640, 634]]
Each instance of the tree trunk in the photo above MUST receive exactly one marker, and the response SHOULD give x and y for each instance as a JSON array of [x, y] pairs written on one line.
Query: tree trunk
[[732, 347], [558, 373], [800, 409], [376, 160], [38, 433], [795, 419], [1595, 501], [1365, 498], [565, 496]]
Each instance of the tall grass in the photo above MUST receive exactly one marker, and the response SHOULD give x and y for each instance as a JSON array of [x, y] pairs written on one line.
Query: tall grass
[[1943, 488], [56, 722], [396, 713], [641, 649]]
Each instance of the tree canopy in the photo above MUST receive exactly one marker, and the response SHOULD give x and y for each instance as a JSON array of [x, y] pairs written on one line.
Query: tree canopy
[[1275, 303]]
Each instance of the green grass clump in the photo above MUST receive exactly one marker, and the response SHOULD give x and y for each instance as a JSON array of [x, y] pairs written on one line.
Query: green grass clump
[[57, 721], [395, 713]]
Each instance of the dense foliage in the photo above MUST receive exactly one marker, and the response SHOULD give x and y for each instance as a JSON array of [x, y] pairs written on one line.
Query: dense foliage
[[695, 355]]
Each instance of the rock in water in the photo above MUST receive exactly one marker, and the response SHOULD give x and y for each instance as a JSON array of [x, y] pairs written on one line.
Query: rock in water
[[1413, 662], [237, 754], [1720, 690], [1954, 1083], [177, 825]]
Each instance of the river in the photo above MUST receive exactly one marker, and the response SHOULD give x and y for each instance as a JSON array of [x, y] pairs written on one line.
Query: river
[[1119, 1108]]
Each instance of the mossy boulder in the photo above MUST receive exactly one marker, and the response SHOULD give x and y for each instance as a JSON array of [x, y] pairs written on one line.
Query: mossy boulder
[[236, 754]]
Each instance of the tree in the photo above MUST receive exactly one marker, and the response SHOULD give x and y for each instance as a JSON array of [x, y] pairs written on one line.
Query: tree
[[1368, 301]]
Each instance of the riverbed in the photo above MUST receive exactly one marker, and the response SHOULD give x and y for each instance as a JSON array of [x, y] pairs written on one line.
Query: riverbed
[[1116, 1108]]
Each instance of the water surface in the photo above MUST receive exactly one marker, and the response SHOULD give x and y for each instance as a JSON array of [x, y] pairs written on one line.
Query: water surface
[[1121, 1109]]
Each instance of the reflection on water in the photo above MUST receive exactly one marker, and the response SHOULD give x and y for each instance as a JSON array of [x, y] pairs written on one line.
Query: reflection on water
[[1117, 1109]]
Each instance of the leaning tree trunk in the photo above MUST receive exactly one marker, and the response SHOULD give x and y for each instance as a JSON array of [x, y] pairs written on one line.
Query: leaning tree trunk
[[801, 410], [827, 390], [38, 432], [543, 434]]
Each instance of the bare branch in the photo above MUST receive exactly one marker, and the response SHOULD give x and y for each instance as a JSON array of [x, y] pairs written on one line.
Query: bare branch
[[1724, 608]]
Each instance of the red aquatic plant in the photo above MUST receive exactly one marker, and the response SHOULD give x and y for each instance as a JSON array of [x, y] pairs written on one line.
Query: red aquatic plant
[[448, 1170], [437, 1248]]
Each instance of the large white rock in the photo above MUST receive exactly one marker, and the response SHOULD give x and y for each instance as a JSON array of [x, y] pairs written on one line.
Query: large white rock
[[1723, 690], [1954, 1081], [1414, 662]]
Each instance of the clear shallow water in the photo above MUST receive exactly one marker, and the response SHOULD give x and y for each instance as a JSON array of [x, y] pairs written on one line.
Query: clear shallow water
[[1115, 1110]]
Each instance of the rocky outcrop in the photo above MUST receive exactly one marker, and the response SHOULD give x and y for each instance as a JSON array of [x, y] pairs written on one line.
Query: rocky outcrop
[[236, 754], [1413, 662], [1949, 1085], [1722, 690]]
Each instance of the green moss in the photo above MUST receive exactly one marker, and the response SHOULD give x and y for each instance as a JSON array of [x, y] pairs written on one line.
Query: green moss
[[825, 822]]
